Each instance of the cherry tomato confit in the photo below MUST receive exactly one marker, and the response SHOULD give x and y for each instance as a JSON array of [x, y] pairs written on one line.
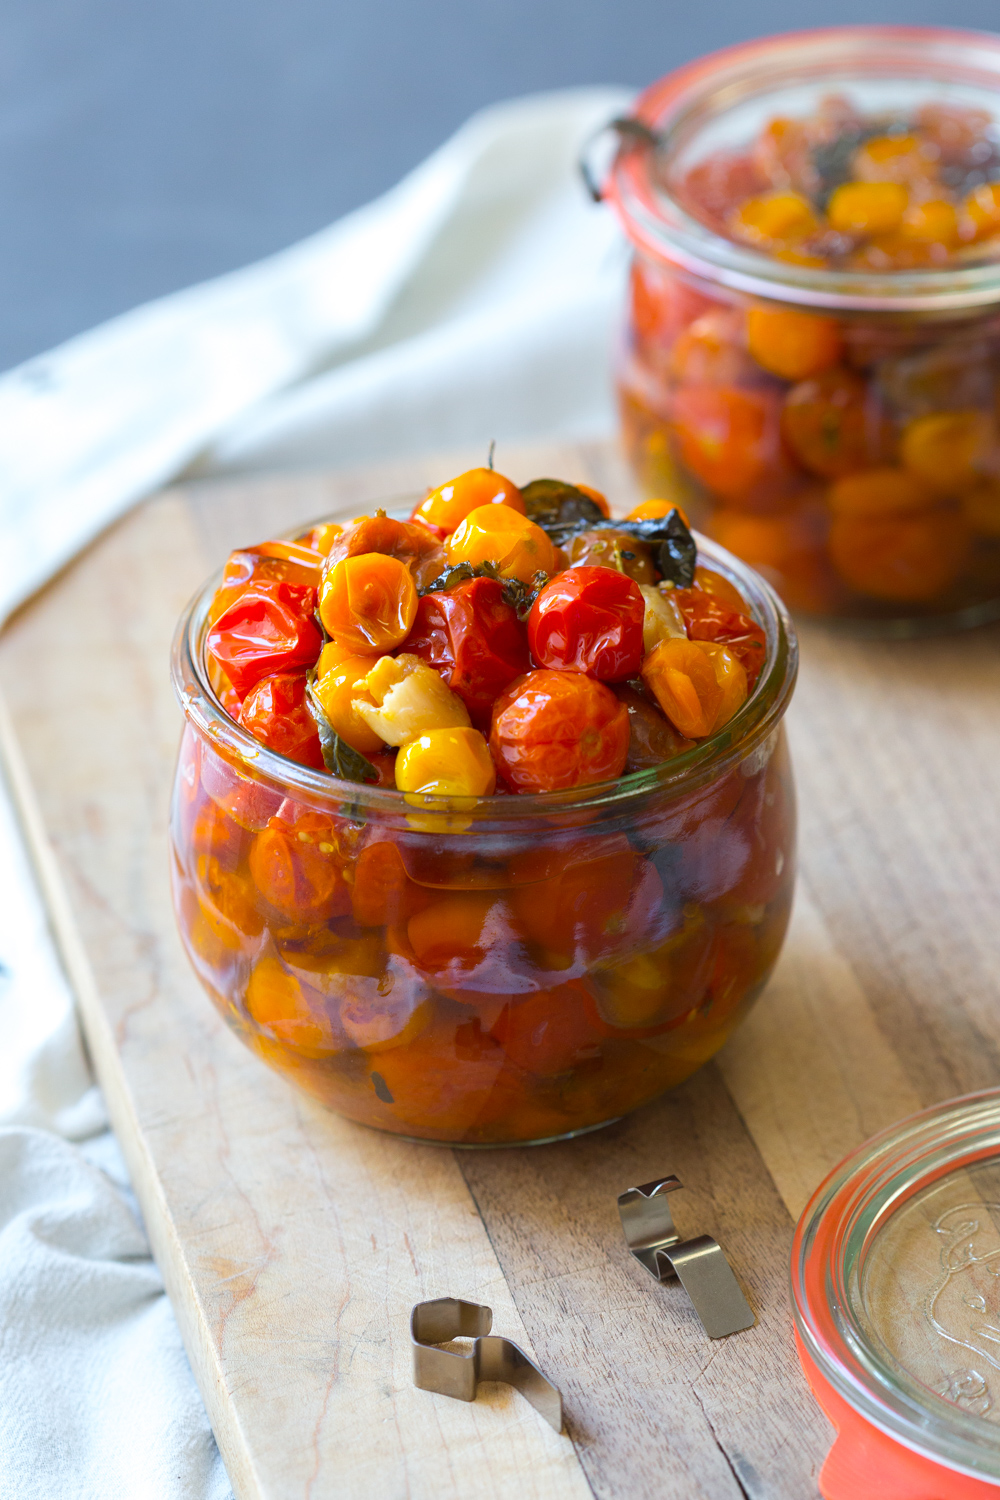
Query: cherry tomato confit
[[445, 968], [852, 459]]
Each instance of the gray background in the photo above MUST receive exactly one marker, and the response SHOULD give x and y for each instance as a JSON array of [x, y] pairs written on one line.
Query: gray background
[[147, 144]]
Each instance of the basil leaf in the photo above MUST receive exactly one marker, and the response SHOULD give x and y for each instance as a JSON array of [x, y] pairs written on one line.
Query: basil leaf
[[678, 553], [553, 504], [340, 758]]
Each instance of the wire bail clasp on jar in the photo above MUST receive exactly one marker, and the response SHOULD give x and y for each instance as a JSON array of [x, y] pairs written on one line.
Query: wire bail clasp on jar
[[699, 1264]]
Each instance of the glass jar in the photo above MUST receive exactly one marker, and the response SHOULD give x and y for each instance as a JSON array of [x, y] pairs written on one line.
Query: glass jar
[[830, 417], [518, 969], [896, 1291]]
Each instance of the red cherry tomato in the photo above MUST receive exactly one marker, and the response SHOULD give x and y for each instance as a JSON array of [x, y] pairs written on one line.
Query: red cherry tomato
[[709, 618], [474, 639], [276, 713], [269, 628], [553, 730], [589, 620], [269, 562], [551, 1031]]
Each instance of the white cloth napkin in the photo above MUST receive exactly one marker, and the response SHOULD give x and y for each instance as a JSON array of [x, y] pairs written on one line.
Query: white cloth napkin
[[474, 301]]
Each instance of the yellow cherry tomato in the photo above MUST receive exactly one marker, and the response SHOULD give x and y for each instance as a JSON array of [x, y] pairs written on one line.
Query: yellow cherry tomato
[[497, 534], [335, 689], [946, 449], [447, 507], [368, 602], [879, 492], [447, 763], [731, 675], [934, 222], [775, 221], [867, 207], [793, 345], [981, 211]]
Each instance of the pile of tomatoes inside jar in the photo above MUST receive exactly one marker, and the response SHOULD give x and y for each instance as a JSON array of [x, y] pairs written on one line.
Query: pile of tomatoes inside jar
[[455, 979], [854, 459]]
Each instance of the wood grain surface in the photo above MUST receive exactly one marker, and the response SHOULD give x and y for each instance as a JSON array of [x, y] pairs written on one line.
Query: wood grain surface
[[293, 1243]]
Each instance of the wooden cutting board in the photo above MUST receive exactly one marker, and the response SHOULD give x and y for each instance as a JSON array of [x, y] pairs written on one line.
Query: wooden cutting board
[[294, 1244]]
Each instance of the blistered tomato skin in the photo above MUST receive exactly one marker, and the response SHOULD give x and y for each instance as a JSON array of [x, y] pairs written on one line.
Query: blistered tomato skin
[[270, 562], [268, 628], [368, 602], [589, 620], [555, 730], [499, 535], [474, 639], [444, 509], [275, 712], [710, 618]]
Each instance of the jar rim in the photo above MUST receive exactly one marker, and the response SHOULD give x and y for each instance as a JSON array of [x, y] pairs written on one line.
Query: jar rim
[[749, 726], [659, 225], [834, 1235]]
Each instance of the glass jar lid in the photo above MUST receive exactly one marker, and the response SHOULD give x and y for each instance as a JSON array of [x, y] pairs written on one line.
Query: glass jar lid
[[896, 1283], [712, 110]]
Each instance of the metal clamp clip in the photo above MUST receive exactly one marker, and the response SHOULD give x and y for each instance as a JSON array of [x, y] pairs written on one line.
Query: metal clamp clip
[[700, 1264], [455, 1373]]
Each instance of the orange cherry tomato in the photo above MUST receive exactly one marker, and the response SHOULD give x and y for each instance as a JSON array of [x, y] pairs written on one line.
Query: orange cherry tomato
[[321, 538], [730, 439], [296, 866], [711, 351], [278, 1002], [457, 930], [683, 682], [714, 583], [867, 207], [551, 1031], [439, 1084], [790, 551], [793, 345], [268, 628], [368, 602], [445, 508], [655, 510], [731, 676], [413, 545], [879, 492], [276, 712], [553, 730], [981, 211], [584, 912], [500, 535], [775, 221], [383, 894], [831, 425], [906, 557], [661, 303]]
